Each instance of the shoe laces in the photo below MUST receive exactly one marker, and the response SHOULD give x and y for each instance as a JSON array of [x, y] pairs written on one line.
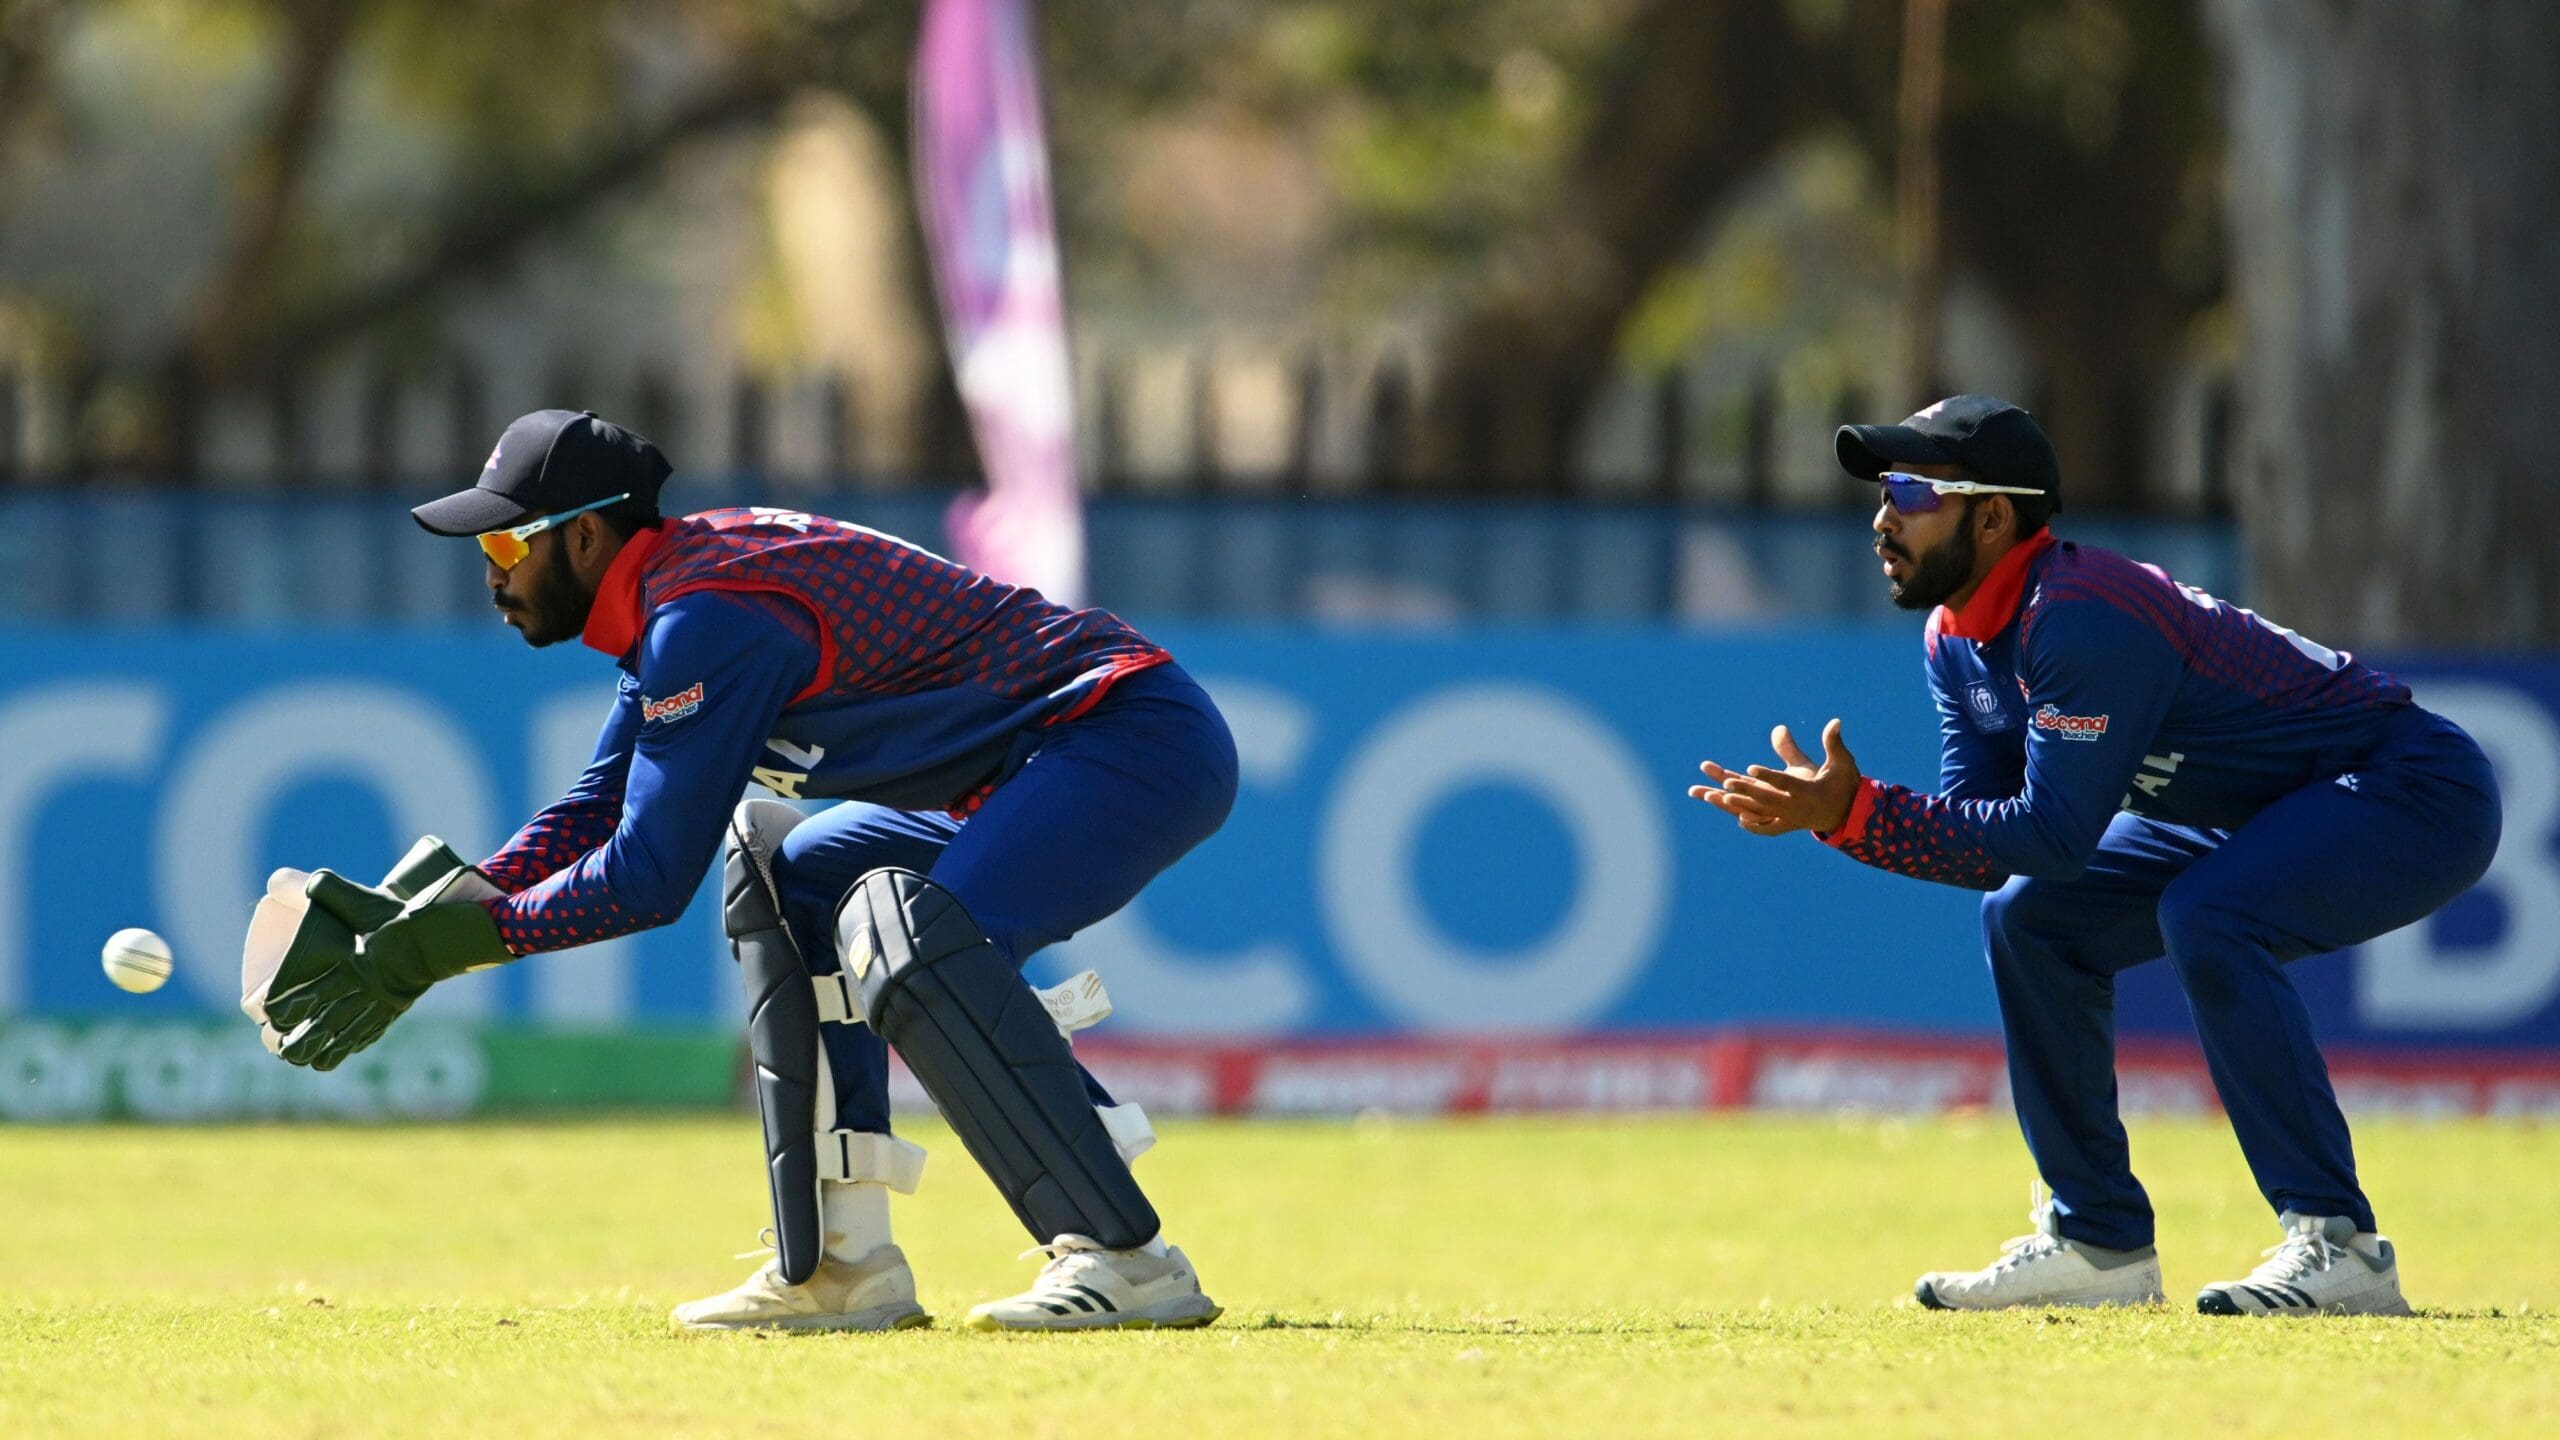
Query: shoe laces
[[2037, 1243], [2025, 1249], [771, 1245], [2298, 1254], [1068, 1255]]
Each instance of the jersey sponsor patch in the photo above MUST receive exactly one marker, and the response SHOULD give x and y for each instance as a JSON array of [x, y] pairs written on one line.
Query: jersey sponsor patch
[[2070, 727], [674, 707], [1984, 705]]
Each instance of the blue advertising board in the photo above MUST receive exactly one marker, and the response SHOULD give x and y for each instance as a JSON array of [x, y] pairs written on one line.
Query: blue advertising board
[[1465, 832]]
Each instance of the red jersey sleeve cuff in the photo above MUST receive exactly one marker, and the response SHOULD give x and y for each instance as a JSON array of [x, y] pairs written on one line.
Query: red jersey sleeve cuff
[[1860, 808]]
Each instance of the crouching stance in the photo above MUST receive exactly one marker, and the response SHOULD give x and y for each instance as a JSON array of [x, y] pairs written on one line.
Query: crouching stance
[[2132, 769], [894, 960], [1010, 770]]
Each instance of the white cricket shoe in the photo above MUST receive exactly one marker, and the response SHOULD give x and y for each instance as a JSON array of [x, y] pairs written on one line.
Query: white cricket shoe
[[1085, 1287], [2323, 1268], [876, 1292], [2043, 1269]]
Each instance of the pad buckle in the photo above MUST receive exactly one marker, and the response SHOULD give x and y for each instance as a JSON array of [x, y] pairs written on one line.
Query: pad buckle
[[837, 1004], [859, 1155]]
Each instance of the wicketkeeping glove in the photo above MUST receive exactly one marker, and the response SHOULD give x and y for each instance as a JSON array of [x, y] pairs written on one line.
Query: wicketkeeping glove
[[348, 1003], [293, 940]]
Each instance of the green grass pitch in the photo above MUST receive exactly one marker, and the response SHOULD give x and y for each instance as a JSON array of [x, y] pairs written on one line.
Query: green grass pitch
[[1477, 1279]]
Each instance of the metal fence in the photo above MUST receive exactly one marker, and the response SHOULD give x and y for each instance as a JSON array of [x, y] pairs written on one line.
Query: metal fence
[[1153, 422], [1224, 485], [114, 555]]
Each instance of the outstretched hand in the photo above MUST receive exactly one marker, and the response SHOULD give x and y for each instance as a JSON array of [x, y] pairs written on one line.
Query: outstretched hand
[[1804, 796]]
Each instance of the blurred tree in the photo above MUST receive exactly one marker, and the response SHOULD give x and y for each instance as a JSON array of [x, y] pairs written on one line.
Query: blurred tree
[[1919, 220], [536, 152], [1691, 101], [2081, 145], [1506, 180], [30, 31], [1389, 148], [2396, 218], [2077, 160], [312, 37]]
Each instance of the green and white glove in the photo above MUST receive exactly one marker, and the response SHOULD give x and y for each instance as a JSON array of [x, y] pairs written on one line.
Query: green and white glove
[[349, 1003], [306, 929]]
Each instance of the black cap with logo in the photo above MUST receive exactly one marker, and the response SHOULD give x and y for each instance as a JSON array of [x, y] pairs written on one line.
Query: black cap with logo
[[1985, 434], [548, 461]]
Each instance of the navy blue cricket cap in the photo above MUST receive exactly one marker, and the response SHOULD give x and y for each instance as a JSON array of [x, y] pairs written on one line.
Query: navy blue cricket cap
[[1985, 434], [548, 461]]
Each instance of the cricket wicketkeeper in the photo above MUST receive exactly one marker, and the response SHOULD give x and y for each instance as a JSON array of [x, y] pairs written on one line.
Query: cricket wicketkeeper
[[1011, 771], [2132, 768]]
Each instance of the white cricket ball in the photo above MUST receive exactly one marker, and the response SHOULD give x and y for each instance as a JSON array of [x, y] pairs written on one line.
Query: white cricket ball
[[137, 960]]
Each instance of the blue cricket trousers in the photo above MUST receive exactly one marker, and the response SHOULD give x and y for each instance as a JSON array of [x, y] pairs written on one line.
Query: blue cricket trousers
[[2333, 864], [1111, 799]]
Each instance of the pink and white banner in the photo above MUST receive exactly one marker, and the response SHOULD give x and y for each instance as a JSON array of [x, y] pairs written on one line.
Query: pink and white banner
[[982, 182]]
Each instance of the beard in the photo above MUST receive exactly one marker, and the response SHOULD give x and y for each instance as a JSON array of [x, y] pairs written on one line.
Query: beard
[[1940, 573], [555, 609]]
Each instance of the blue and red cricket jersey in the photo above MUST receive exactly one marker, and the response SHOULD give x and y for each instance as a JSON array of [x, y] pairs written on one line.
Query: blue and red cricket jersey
[[807, 654], [2076, 683]]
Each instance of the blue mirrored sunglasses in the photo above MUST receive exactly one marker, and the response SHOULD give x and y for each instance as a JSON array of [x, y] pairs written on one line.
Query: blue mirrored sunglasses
[[1918, 494]]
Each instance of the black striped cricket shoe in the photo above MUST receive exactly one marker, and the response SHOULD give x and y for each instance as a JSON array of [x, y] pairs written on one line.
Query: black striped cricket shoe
[[1085, 1287], [2323, 1268]]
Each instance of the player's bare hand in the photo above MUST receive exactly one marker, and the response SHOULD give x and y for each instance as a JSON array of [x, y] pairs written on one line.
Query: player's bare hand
[[1744, 813], [1766, 800]]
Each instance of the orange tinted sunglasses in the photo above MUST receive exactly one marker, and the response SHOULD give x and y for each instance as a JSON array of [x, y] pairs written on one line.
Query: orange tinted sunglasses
[[507, 548]]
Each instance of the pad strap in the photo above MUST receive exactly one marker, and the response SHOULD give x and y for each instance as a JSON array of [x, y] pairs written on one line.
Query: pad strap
[[1077, 1003], [837, 1003], [868, 1155], [1131, 1135]]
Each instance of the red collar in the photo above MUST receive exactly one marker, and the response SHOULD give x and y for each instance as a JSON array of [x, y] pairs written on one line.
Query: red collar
[[613, 622], [1995, 601]]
